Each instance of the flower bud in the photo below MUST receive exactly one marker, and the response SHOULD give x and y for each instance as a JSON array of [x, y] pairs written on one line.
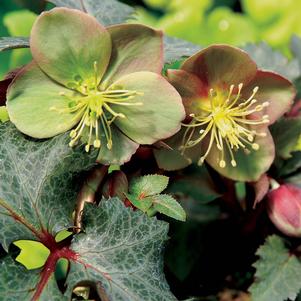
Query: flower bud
[[284, 208]]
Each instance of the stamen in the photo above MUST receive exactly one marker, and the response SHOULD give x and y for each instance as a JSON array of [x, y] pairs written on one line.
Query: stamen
[[227, 122], [93, 109]]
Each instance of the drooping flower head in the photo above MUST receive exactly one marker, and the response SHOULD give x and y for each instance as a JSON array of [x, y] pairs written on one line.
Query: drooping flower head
[[229, 105], [103, 84]]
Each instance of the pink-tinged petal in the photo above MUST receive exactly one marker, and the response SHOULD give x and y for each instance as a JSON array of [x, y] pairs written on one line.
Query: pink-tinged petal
[[193, 91], [284, 207], [121, 152], [155, 113], [272, 88], [66, 43], [251, 165], [135, 48], [31, 98], [221, 66]]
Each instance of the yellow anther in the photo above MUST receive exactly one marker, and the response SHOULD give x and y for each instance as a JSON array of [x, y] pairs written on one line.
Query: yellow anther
[[222, 163], [97, 143], [94, 109], [73, 134], [226, 124], [255, 146]]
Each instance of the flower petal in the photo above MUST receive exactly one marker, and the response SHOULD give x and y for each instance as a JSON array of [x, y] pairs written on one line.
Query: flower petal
[[275, 89], [193, 91], [135, 48], [221, 65], [160, 114], [249, 166], [173, 159], [29, 99], [121, 152], [66, 43]]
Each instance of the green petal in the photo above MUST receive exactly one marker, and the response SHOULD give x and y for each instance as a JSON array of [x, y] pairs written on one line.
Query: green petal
[[220, 65], [249, 166], [122, 150], [161, 111], [29, 99], [275, 89], [173, 159], [134, 48], [66, 43]]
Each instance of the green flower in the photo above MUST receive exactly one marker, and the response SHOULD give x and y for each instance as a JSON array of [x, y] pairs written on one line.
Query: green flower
[[103, 83], [229, 105]]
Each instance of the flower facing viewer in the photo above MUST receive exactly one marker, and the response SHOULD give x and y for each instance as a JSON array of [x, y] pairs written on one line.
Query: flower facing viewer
[[103, 84], [229, 105]]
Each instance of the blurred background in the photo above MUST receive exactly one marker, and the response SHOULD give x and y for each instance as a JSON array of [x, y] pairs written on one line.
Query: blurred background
[[203, 22]]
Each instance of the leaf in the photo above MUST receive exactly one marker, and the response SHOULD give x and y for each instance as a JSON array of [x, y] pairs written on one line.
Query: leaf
[[286, 133], [291, 165], [176, 49], [18, 283], [122, 250], [278, 272], [7, 43], [268, 59], [195, 182], [148, 185], [36, 191], [167, 205], [296, 48], [3, 114], [143, 204], [107, 12]]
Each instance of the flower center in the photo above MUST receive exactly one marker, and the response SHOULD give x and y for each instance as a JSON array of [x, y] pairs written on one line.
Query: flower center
[[225, 122], [94, 109]]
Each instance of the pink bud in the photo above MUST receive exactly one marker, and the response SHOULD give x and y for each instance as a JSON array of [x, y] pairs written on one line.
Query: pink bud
[[284, 207]]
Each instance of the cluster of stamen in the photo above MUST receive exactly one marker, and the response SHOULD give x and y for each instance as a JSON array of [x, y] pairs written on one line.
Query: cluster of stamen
[[94, 108], [225, 123]]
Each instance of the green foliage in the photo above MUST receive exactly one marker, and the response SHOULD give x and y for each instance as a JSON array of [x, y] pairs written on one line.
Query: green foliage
[[286, 141], [38, 200], [3, 114], [107, 12], [278, 272], [268, 59], [30, 192], [144, 193], [260, 20], [19, 24]]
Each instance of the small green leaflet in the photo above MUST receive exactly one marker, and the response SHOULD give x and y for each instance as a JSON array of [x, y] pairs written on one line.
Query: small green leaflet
[[278, 272], [144, 193]]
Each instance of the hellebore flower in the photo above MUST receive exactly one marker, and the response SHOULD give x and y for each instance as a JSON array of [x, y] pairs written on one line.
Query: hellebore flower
[[229, 105], [103, 83], [284, 208]]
